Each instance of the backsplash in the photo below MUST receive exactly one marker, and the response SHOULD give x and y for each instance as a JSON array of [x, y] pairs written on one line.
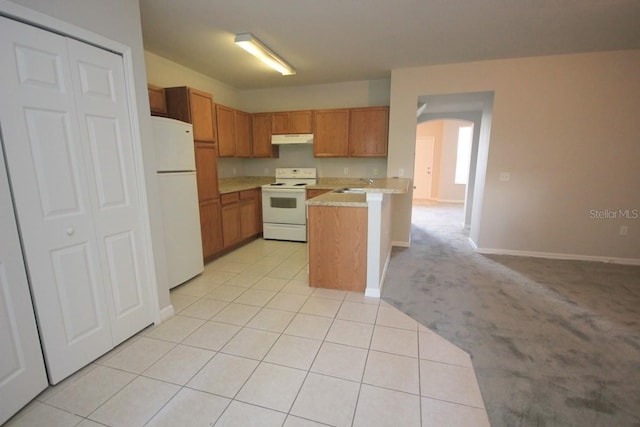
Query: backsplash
[[302, 156]]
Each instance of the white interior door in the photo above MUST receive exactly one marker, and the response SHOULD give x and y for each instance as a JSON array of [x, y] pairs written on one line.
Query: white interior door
[[423, 169], [22, 375], [68, 148]]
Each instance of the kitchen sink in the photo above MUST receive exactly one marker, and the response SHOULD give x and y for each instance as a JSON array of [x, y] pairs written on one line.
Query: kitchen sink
[[349, 190]]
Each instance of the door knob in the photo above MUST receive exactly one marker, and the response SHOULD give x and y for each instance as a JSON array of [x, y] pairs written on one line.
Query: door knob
[[70, 231]]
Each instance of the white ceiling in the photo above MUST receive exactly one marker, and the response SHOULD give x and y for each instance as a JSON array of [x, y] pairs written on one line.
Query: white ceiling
[[331, 41]]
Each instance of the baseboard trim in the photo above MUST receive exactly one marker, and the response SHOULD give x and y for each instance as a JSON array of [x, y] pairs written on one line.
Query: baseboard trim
[[374, 293], [554, 255], [457, 202], [400, 244], [166, 313]]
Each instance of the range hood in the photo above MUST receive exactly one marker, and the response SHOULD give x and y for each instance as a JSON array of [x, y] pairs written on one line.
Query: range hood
[[298, 138]]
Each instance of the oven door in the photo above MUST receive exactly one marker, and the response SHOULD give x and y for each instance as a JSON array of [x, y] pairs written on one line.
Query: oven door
[[284, 205]]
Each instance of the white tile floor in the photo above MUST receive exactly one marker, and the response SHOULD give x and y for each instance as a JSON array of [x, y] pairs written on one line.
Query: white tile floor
[[252, 345]]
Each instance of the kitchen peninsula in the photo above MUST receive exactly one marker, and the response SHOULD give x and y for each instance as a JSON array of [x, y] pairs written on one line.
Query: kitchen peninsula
[[350, 233]]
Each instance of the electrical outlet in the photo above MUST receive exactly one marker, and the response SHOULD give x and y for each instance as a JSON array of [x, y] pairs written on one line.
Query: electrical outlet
[[401, 172], [376, 171], [266, 171], [624, 230], [234, 171], [505, 176], [345, 171]]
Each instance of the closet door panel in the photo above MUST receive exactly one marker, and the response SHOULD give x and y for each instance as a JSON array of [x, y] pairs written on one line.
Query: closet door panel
[[48, 173], [99, 86], [22, 375]]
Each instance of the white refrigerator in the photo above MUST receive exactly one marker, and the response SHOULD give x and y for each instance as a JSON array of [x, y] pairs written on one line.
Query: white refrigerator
[[176, 168]]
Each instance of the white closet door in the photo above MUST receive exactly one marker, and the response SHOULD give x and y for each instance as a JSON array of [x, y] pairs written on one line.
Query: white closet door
[[71, 170], [22, 375], [103, 115]]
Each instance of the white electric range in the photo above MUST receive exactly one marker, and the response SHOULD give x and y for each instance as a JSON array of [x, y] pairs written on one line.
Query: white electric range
[[284, 213]]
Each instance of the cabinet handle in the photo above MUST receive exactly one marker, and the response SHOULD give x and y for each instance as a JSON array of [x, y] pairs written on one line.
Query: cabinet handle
[[70, 231]]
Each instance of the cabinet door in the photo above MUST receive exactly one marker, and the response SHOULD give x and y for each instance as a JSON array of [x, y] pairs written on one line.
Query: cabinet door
[[301, 122], [369, 131], [261, 136], [250, 208], [280, 123], [207, 171], [157, 100], [202, 116], [211, 227], [243, 134], [331, 135], [230, 219], [226, 131]]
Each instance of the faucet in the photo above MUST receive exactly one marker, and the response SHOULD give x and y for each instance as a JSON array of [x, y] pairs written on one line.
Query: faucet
[[369, 181]]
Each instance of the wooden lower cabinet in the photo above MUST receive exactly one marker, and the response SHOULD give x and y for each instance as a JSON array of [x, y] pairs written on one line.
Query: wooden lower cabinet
[[211, 228], [230, 219], [250, 213], [337, 243]]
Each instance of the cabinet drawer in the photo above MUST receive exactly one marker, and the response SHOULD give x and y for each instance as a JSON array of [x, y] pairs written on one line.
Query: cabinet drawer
[[249, 194], [229, 198]]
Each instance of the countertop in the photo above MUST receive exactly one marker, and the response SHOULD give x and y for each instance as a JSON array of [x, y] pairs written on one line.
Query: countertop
[[241, 183], [382, 185]]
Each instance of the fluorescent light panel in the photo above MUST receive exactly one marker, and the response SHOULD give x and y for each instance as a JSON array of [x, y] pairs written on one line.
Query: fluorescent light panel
[[248, 42]]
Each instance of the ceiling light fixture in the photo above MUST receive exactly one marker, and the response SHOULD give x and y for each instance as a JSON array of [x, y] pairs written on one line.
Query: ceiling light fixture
[[251, 44]]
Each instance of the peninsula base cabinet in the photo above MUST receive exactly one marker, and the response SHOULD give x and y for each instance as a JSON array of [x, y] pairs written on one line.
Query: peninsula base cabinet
[[337, 243]]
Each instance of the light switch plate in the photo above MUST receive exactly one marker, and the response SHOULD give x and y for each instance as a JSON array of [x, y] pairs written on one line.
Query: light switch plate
[[505, 176]]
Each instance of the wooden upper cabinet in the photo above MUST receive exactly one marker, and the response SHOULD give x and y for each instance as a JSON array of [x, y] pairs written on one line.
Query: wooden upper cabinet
[[331, 134], [195, 107], [284, 122], [157, 101], [226, 131], [243, 134], [261, 136], [202, 116], [369, 132]]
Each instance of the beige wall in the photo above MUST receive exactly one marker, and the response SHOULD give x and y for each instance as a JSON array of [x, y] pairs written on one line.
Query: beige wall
[[119, 20], [565, 127], [165, 73], [367, 93]]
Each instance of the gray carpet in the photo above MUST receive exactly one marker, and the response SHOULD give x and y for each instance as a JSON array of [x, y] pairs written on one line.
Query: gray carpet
[[553, 343]]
